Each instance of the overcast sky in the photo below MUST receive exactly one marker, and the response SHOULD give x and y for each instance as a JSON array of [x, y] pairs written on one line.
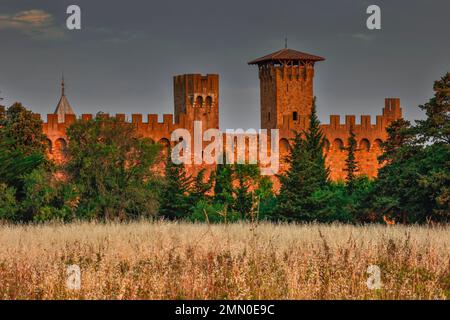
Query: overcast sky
[[123, 59]]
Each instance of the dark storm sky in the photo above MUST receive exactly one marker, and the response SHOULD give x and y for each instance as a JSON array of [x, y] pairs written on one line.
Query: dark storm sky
[[124, 57]]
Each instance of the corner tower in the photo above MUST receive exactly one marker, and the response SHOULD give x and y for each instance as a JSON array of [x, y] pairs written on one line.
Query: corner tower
[[286, 86], [197, 97]]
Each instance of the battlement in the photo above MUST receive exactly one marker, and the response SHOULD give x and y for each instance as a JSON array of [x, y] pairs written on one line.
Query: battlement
[[198, 82], [289, 72], [369, 137], [136, 118], [392, 109], [365, 122], [195, 90], [196, 98]]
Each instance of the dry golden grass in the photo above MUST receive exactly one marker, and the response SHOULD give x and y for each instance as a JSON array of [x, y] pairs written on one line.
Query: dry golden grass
[[160, 260]]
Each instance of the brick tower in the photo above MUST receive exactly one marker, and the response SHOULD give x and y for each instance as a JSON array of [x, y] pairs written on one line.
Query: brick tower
[[286, 87], [197, 97]]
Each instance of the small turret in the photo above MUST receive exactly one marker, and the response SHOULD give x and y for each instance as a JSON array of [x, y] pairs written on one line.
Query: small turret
[[63, 108], [197, 98], [392, 110]]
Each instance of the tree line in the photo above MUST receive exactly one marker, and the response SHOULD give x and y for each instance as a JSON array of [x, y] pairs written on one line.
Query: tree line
[[113, 173]]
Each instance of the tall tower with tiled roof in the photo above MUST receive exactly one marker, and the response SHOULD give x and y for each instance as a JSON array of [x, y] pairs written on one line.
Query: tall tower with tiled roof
[[286, 86], [63, 106]]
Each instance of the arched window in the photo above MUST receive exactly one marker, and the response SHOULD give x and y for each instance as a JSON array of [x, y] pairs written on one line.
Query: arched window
[[295, 116], [326, 145], [200, 101], [338, 144], [364, 145], [60, 148], [181, 140], [49, 146], [284, 146], [208, 101], [165, 143], [377, 144]]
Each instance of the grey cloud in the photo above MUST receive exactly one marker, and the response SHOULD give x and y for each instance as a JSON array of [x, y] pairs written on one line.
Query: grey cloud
[[34, 23]]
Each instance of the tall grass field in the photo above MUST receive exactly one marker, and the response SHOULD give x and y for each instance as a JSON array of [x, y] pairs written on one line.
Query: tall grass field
[[164, 260]]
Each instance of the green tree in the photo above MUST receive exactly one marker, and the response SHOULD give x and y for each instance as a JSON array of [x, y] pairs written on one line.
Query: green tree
[[413, 186], [22, 150], [47, 198], [175, 202], [351, 165], [22, 144], [14, 165], [24, 129], [337, 204], [8, 203], [246, 176], [400, 142], [109, 165], [223, 185], [436, 127], [314, 143], [266, 197], [201, 187], [306, 174]]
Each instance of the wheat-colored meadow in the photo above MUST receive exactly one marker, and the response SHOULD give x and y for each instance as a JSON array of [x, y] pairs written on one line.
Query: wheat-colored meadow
[[162, 260]]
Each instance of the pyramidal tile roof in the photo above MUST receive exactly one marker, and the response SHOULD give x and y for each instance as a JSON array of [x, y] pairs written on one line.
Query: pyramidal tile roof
[[286, 55], [63, 106]]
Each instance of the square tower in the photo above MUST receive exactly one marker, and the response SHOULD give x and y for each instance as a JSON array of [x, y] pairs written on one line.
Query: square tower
[[286, 87], [197, 97]]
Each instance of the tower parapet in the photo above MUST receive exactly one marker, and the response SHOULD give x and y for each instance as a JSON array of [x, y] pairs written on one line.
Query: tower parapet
[[197, 98], [392, 109], [286, 87]]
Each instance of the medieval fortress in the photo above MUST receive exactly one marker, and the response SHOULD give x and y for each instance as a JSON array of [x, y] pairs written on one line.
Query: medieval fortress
[[286, 94]]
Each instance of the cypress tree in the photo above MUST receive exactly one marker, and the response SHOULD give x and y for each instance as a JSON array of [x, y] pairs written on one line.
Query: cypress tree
[[245, 175], [306, 174], [314, 142], [200, 187], [223, 184], [351, 165], [174, 197]]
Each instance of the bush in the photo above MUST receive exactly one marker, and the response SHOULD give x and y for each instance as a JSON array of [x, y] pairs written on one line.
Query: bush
[[335, 203], [8, 203], [47, 198]]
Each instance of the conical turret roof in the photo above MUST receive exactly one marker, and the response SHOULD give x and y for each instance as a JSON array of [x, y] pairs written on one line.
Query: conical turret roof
[[63, 106]]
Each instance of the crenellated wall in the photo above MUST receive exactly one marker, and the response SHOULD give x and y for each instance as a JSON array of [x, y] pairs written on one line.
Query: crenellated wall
[[368, 135], [285, 90]]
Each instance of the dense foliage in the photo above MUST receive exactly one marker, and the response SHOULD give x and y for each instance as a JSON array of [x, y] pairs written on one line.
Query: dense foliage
[[109, 169], [414, 184]]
